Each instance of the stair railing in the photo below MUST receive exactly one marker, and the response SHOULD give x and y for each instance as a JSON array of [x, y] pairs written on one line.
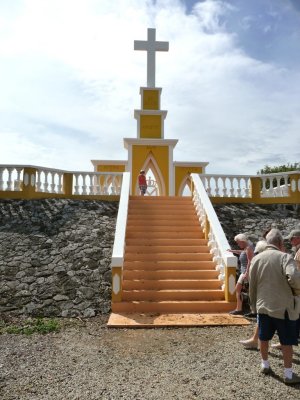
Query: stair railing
[[226, 262], [119, 243]]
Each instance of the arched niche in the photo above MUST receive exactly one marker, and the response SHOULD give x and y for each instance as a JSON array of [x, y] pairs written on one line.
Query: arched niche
[[151, 167], [185, 188]]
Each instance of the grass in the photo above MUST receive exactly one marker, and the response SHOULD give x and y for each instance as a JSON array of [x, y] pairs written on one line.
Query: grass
[[30, 326]]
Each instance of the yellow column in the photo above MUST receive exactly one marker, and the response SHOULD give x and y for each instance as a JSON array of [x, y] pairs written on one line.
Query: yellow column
[[294, 196], [255, 189], [230, 278], [28, 184], [68, 184], [116, 284]]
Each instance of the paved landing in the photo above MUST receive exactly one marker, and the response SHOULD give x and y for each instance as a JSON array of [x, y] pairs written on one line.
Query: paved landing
[[175, 320]]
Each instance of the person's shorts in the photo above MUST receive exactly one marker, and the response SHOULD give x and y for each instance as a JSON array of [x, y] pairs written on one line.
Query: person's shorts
[[286, 329], [143, 188]]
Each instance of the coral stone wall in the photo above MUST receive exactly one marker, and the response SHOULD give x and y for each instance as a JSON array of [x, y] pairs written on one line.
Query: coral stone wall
[[55, 254]]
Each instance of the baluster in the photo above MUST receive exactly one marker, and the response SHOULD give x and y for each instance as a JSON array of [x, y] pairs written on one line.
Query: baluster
[[231, 187], [286, 186], [105, 185], [271, 187], [52, 186], [225, 193], [59, 186], [91, 186], [46, 183], [38, 183], [238, 191], [9, 179], [1, 179], [76, 187], [84, 186], [217, 190], [17, 183], [264, 187], [113, 186], [247, 187], [97, 184], [208, 188]]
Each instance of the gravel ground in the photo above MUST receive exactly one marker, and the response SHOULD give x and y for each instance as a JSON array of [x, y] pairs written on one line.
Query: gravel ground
[[85, 360]]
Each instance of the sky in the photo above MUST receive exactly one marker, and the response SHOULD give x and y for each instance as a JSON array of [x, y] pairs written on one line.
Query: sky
[[70, 80]]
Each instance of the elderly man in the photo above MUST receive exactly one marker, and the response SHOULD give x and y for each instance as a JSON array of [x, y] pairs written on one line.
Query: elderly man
[[273, 282], [294, 238]]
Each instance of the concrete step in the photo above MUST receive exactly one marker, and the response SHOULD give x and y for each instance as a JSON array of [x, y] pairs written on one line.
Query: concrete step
[[169, 274], [173, 295], [171, 265], [165, 242], [157, 228], [166, 249], [183, 284], [174, 306], [170, 234], [168, 257]]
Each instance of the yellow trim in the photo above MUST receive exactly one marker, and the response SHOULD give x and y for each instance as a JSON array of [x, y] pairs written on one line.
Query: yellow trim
[[230, 273], [161, 156], [111, 168], [150, 127], [150, 99], [10, 195], [181, 174], [116, 272]]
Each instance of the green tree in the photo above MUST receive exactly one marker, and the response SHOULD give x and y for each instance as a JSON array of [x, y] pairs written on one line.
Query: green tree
[[280, 168], [276, 169]]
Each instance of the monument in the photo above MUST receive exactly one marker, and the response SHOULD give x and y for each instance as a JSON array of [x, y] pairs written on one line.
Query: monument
[[150, 150]]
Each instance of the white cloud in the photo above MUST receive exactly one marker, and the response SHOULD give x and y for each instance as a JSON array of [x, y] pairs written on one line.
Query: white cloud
[[70, 81]]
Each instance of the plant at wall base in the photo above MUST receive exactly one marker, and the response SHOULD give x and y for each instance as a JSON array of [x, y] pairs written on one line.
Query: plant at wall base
[[30, 326]]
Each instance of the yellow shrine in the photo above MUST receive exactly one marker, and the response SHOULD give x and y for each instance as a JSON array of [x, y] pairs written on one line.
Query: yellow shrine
[[150, 151]]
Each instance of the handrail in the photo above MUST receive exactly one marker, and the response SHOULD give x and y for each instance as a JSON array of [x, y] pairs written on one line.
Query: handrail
[[119, 243], [217, 240]]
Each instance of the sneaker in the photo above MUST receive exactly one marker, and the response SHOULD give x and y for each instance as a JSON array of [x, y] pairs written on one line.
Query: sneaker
[[294, 380], [236, 312], [249, 344], [265, 370], [250, 315]]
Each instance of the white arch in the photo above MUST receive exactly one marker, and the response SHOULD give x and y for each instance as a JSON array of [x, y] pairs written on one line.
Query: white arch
[[185, 181], [151, 163]]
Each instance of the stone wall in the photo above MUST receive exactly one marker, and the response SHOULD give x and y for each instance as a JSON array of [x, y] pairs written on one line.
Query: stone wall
[[254, 220], [55, 255]]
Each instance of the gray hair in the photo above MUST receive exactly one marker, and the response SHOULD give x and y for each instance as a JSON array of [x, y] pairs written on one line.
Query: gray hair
[[241, 237], [260, 246], [274, 237]]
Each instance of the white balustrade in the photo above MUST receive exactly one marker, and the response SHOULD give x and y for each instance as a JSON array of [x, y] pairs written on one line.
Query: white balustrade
[[97, 183], [11, 178], [239, 186], [217, 241], [49, 180]]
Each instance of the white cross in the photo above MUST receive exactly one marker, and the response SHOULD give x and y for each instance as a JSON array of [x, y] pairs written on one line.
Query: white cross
[[151, 46]]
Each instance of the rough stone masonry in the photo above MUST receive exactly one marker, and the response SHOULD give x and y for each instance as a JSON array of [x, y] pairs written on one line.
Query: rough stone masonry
[[55, 254]]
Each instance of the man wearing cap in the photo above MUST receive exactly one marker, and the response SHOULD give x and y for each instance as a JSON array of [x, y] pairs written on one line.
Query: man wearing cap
[[294, 238], [273, 282]]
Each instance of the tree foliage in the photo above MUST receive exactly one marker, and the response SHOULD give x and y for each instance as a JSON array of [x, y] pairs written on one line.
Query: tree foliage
[[280, 168]]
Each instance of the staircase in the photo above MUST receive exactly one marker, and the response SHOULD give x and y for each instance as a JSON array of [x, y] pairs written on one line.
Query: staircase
[[167, 266]]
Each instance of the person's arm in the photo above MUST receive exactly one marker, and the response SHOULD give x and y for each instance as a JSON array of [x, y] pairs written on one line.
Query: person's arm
[[250, 254], [292, 273], [252, 287], [235, 251]]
